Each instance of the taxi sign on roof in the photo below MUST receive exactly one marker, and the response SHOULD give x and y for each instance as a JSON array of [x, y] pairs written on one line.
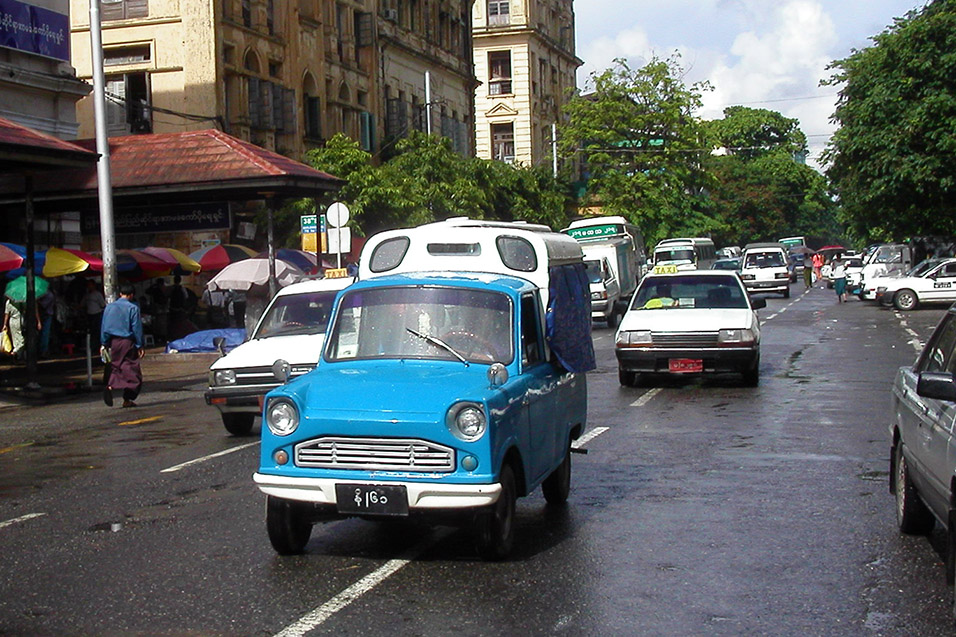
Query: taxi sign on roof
[[666, 269], [336, 273]]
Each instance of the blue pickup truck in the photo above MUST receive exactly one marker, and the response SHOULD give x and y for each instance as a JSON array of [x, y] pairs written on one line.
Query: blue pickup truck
[[444, 395]]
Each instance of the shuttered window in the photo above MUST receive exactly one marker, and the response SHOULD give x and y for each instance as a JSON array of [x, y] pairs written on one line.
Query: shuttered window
[[123, 9]]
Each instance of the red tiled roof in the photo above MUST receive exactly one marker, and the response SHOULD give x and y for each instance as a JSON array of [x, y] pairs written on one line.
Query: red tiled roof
[[19, 143], [192, 158]]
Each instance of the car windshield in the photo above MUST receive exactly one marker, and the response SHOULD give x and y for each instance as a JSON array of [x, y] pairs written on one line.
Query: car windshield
[[729, 264], [764, 260], [431, 322], [306, 313], [923, 267], [674, 255], [594, 271], [690, 291]]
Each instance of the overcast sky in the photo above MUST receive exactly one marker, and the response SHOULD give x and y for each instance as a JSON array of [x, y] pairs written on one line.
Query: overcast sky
[[760, 53]]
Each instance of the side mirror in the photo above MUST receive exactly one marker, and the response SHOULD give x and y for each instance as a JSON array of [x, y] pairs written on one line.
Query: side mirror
[[758, 303], [281, 370], [937, 385], [220, 344]]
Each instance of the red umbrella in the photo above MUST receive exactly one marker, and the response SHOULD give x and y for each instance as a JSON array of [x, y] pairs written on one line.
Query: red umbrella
[[10, 259], [219, 256], [178, 261], [135, 264]]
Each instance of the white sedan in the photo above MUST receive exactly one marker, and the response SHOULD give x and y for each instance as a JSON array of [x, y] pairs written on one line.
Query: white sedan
[[682, 322], [932, 281]]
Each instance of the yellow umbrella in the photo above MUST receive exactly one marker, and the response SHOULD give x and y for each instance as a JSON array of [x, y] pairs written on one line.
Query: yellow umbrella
[[182, 261], [60, 262]]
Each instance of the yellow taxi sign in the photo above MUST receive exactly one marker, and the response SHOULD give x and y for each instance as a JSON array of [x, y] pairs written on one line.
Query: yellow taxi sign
[[336, 273], [666, 269]]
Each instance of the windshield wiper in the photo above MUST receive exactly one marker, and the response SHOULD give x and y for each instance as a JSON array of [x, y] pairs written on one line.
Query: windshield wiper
[[438, 343]]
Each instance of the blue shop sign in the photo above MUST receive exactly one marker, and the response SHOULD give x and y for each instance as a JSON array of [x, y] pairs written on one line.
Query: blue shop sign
[[173, 218], [36, 29]]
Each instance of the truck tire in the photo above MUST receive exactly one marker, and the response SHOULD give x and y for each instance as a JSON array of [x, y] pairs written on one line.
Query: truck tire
[[289, 528], [238, 424], [613, 319], [495, 528]]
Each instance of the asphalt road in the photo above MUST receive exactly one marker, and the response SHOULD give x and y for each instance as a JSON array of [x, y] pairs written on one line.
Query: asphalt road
[[702, 507]]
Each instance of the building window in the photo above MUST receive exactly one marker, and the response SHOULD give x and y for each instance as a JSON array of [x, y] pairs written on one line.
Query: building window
[[271, 16], [503, 142], [313, 117], [133, 54], [123, 9], [499, 12], [499, 73], [128, 104], [247, 13]]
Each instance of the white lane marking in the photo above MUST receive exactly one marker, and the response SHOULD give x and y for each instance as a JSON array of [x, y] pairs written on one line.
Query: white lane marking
[[22, 518], [588, 437], [209, 457], [318, 616], [916, 341], [646, 396]]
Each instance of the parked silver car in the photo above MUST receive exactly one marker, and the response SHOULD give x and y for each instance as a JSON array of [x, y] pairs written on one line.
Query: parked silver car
[[923, 451]]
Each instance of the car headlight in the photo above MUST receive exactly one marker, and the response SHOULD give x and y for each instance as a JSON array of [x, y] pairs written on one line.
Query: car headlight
[[881, 289], [466, 421], [736, 336], [630, 338], [223, 377], [782, 275], [282, 417], [748, 277]]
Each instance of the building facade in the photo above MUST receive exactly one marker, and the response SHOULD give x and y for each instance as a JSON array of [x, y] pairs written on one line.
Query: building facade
[[525, 60], [284, 74]]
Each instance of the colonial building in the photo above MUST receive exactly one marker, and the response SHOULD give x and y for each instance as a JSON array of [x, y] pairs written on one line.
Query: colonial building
[[283, 74], [526, 63]]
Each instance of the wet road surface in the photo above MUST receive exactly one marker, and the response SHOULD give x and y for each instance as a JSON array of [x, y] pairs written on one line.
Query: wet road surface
[[702, 507]]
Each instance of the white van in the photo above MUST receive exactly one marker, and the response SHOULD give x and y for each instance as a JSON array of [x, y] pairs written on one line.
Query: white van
[[763, 268], [688, 253]]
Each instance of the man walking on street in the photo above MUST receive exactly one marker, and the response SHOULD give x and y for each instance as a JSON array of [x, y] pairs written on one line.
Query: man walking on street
[[122, 336]]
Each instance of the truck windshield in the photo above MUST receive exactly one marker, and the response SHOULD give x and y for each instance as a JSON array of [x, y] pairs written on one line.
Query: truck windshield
[[595, 275], [389, 322], [306, 313], [676, 255], [764, 260]]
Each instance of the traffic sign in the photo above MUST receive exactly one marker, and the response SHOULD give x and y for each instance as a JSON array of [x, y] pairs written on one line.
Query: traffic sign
[[337, 214]]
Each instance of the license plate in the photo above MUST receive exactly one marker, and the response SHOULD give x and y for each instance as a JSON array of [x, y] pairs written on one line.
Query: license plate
[[371, 499], [685, 365]]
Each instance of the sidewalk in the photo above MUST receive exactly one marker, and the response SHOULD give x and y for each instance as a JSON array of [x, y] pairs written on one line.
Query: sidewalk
[[60, 379]]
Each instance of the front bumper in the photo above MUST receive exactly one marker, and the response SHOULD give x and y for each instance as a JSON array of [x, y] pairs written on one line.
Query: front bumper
[[602, 309], [655, 360], [778, 285], [421, 495], [238, 398]]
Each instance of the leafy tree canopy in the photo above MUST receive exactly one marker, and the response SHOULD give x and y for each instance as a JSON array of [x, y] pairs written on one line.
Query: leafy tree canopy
[[642, 145], [892, 162]]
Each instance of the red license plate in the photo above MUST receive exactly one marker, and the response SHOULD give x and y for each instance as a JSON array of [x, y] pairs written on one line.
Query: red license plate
[[685, 365]]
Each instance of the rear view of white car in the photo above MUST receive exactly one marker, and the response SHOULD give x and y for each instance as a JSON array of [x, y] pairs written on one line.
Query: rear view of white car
[[292, 330]]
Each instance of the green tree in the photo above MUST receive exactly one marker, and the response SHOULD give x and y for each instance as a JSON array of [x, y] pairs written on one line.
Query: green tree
[[892, 162], [761, 191], [643, 146]]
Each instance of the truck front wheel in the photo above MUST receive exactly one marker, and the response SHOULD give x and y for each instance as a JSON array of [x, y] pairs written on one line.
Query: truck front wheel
[[289, 527], [238, 424], [495, 528]]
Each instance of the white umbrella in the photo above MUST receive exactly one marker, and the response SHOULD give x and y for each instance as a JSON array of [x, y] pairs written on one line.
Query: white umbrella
[[242, 275]]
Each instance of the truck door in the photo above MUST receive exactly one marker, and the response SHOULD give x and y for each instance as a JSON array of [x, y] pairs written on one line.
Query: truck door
[[540, 397]]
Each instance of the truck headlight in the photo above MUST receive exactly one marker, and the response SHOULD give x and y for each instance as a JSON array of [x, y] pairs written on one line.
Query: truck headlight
[[748, 277], [466, 421], [282, 417], [736, 336], [223, 377], [599, 296], [782, 275], [630, 338]]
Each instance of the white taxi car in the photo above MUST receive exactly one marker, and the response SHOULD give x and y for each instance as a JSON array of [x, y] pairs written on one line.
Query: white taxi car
[[682, 322], [292, 330], [932, 281]]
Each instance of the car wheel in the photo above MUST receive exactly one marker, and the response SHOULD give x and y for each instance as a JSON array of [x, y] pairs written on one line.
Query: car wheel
[[612, 319], [626, 378], [912, 516], [238, 424], [786, 293], [557, 486], [951, 548], [905, 300], [496, 525], [752, 375], [289, 528]]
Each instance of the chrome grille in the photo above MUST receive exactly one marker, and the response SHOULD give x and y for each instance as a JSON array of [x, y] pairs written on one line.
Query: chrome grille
[[248, 376], [684, 338], [374, 454]]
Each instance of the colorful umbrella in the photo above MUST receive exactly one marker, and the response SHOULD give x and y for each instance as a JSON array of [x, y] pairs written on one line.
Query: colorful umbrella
[[137, 265], [54, 262], [301, 259], [219, 256], [11, 257], [17, 289], [180, 261]]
